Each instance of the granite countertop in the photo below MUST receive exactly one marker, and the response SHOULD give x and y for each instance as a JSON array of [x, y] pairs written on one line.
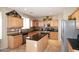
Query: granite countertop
[[74, 43], [37, 36]]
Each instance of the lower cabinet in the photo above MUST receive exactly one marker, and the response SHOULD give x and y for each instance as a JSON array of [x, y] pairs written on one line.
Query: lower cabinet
[[32, 33], [54, 35], [14, 41]]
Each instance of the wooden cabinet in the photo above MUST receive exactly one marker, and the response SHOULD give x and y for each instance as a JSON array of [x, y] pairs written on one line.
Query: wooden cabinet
[[14, 22], [32, 33], [41, 23], [14, 41], [35, 23], [77, 24], [54, 23], [54, 35], [76, 14]]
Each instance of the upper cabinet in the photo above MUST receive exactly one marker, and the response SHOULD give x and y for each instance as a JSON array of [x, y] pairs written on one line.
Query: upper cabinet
[[14, 20], [74, 15], [41, 23], [54, 23], [35, 23], [45, 21]]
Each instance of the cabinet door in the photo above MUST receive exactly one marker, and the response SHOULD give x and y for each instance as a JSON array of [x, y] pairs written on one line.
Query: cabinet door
[[10, 41], [55, 23], [17, 40], [77, 24], [14, 22], [19, 22], [32, 33], [20, 39], [51, 24], [11, 22], [54, 35], [35, 23]]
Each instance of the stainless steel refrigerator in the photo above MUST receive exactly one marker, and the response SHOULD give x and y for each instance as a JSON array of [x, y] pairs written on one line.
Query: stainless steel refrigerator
[[68, 30]]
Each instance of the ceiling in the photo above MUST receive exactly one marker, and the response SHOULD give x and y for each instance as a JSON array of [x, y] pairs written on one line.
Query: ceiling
[[44, 11]]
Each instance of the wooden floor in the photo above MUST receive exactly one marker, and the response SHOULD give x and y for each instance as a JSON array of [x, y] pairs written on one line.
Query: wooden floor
[[53, 46]]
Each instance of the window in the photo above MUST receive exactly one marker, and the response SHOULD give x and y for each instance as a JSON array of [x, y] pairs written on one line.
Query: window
[[26, 23], [0, 25]]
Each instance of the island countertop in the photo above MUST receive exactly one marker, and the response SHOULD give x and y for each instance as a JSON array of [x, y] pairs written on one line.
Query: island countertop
[[37, 36]]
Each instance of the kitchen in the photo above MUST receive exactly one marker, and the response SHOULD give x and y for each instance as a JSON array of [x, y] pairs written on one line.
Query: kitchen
[[35, 32], [25, 32]]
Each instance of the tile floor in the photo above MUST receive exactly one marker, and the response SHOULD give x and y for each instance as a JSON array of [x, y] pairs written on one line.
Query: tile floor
[[53, 46]]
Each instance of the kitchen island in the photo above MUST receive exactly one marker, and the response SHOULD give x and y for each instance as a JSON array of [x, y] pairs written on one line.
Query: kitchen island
[[37, 43]]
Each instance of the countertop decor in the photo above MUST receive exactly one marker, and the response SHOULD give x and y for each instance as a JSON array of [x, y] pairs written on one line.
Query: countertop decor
[[13, 13]]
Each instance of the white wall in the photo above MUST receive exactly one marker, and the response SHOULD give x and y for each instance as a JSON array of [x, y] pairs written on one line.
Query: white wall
[[0, 25], [4, 41]]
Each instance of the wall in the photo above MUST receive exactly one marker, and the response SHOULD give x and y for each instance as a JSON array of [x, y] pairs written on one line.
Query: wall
[[4, 41], [0, 25]]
